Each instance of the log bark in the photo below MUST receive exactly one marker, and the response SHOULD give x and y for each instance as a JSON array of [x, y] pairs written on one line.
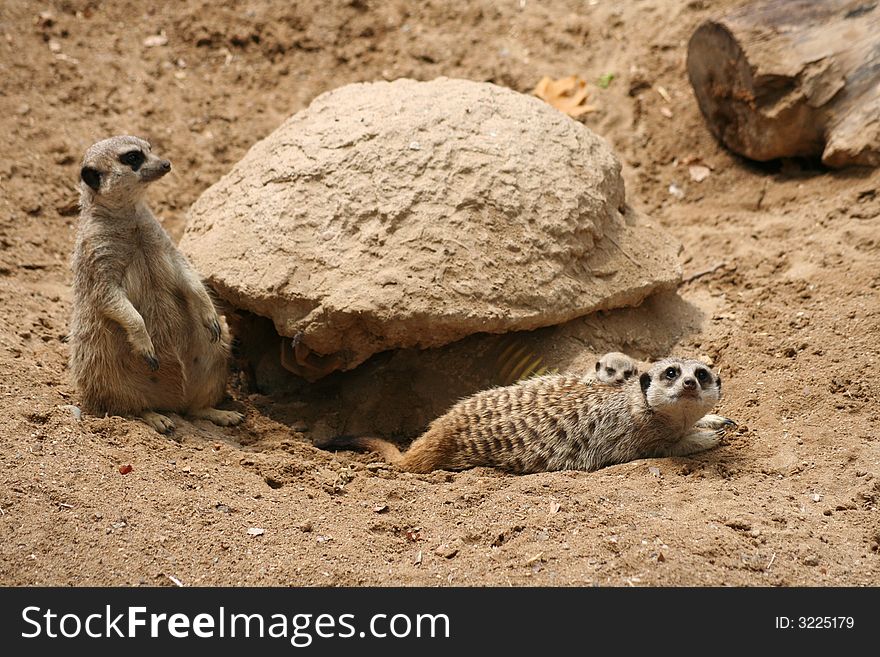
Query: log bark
[[786, 78]]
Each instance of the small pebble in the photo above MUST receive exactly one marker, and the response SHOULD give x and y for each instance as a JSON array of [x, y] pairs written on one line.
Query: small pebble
[[698, 172], [155, 40], [74, 410], [446, 551], [256, 531]]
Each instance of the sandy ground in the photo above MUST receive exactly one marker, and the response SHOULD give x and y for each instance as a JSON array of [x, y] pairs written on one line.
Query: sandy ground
[[790, 316]]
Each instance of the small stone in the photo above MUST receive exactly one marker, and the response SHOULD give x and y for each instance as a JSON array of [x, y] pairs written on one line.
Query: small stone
[[418, 560], [816, 497], [306, 527], [698, 172], [256, 531], [74, 410], [446, 551], [676, 191], [811, 560], [655, 472], [54, 46], [156, 40], [380, 508]]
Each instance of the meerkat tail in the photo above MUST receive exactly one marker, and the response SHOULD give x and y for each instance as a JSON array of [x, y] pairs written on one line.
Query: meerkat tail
[[383, 448]]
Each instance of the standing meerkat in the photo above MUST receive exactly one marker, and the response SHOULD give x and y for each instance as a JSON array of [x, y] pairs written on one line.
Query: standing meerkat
[[145, 336], [567, 422], [616, 368]]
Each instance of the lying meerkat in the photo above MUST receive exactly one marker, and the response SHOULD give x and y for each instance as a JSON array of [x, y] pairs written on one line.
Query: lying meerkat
[[567, 422], [615, 368], [145, 336]]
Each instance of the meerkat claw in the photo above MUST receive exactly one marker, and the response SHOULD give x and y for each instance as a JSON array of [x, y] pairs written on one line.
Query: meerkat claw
[[159, 422], [715, 422]]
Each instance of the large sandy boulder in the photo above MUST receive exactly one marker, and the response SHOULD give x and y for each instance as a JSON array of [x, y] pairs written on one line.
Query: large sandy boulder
[[412, 214]]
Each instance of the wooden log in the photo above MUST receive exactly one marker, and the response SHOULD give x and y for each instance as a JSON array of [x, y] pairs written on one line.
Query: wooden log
[[786, 78]]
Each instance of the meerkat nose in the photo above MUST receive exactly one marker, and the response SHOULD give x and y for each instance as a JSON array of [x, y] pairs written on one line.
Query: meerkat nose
[[689, 383], [166, 165]]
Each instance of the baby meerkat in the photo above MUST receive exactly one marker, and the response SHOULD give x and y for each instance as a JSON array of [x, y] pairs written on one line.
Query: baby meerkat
[[566, 422], [145, 336], [615, 368]]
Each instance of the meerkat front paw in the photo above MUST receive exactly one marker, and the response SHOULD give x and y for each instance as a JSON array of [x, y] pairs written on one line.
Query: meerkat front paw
[[223, 418], [143, 347], [705, 440], [159, 422], [149, 357], [715, 422], [696, 441]]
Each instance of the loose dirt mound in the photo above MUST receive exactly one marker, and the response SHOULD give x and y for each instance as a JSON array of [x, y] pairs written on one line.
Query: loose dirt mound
[[413, 214]]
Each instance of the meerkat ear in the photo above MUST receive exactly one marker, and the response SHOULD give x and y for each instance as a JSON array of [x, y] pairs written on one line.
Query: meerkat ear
[[91, 177], [645, 381]]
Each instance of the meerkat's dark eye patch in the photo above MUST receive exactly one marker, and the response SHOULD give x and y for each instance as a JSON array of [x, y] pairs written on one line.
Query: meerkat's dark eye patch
[[598, 366], [609, 371], [133, 159], [91, 177], [628, 374], [670, 373], [702, 375]]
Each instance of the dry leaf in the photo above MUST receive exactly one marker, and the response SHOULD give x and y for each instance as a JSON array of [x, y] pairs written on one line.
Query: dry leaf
[[568, 95]]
